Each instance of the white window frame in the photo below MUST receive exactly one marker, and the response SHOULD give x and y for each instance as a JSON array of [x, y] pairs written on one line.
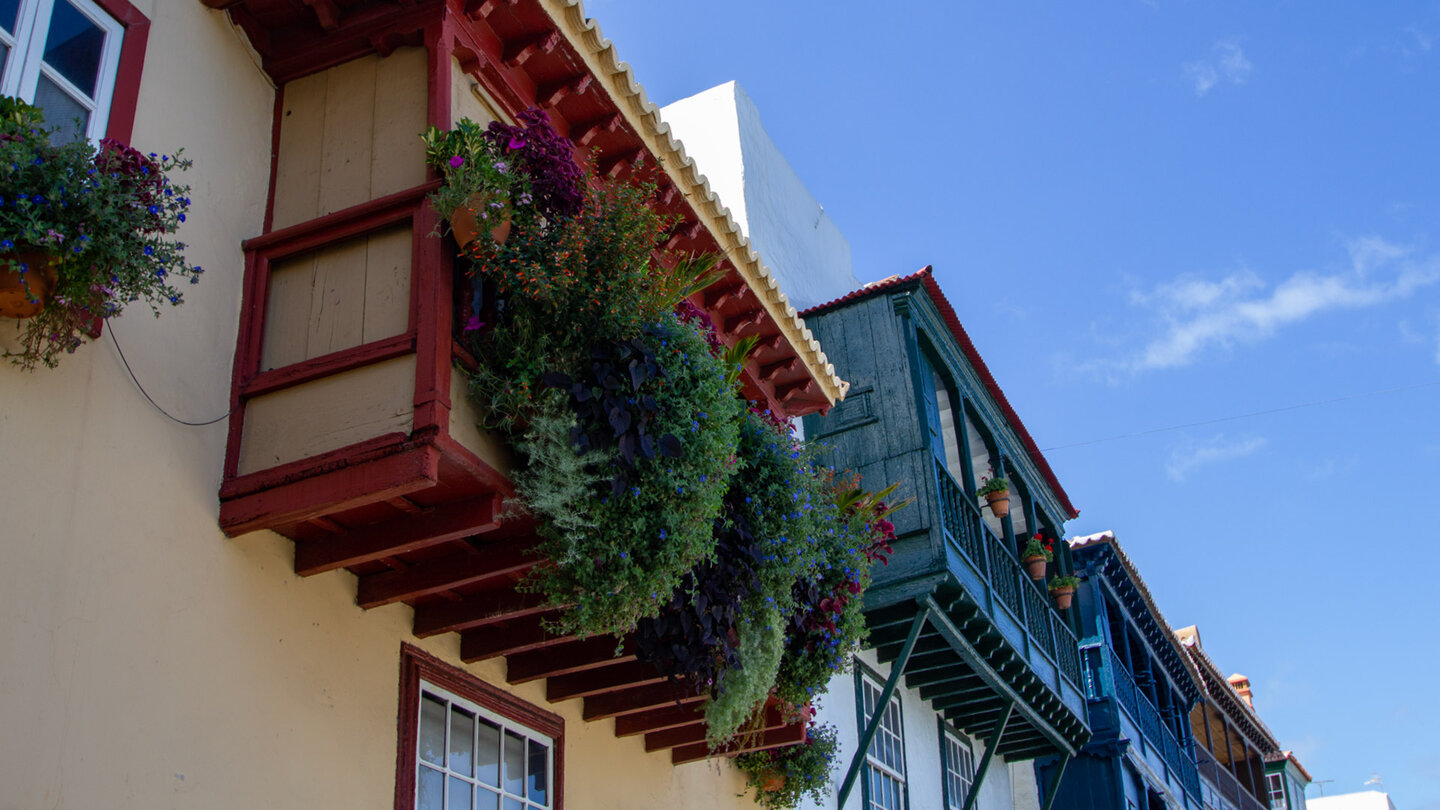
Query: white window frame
[[506, 725], [20, 75], [1275, 784], [959, 769], [880, 772]]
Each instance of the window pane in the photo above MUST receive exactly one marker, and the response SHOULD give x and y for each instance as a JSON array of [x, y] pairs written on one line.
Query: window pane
[[61, 111], [486, 800], [432, 730], [430, 793], [513, 804], [539, 773], [9, 9], [73, 46], [462, 742], [4, 52], [459, 798], [514, 763], [487, 754]]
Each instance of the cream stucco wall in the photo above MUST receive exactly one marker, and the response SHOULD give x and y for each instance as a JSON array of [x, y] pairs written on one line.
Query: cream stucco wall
[[146, 661]]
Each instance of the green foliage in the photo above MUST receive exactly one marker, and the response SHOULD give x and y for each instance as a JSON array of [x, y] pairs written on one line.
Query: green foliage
[[105, 219], [806, 768], [617, 556], [1056, 583], [742, 690], [993, 485], [467, 160], [1037, 546]]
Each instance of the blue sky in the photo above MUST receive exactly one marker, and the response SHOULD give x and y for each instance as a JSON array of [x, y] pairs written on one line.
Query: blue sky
[[1151, 214]]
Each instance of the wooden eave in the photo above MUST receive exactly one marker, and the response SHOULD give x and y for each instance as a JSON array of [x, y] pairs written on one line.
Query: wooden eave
[[1221, 694], [546, 53]]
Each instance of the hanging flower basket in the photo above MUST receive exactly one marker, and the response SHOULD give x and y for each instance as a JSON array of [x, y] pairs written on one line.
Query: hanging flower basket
[[999, 503], [468, 227], [23, 295], [774, 783], [1035, 566], [1039, 551], [1062, 590]]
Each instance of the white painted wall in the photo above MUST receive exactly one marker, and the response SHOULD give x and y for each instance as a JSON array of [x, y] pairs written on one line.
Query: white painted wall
[[796, 239], [1006, 787]]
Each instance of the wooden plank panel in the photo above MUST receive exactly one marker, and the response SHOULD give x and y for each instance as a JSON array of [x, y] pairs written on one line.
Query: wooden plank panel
[[349, 125], [302, 135], [387, 283], [328, 414], [401, 93], [287, 312], [337, 303], [463, 101]]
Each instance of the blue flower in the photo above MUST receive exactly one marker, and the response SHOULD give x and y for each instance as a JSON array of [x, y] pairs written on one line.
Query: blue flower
[[7, 244]]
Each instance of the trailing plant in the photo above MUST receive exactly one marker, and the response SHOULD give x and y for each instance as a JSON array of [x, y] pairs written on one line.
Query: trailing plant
[[103, 219], [991, 486], [783, 777], [1057, 583], [1039, 546], [743, 688]]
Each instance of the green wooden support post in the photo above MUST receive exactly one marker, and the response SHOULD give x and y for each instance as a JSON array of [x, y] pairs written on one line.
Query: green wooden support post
[[1054, 786], [896, 670], [989, 755]]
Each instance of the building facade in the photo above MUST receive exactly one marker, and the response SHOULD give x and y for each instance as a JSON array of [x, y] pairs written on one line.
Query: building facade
[[341, 626], [1141, 688], [973, 672]]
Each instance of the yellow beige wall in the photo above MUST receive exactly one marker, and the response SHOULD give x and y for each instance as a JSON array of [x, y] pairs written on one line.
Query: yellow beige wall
[[146, 661]]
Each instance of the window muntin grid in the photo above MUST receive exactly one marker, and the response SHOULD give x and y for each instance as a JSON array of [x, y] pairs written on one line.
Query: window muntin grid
[[959, 771], [469, 758], [886, 757], [62, 56], [1276, 783]]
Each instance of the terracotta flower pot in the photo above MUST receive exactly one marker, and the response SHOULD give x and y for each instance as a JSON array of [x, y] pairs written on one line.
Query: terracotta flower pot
[[1035, 566], [774, 783], [467, 227], [1062, 597], [15, 300], [999, 503]]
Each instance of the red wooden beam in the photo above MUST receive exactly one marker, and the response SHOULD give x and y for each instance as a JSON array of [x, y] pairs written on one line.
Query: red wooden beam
[[441, 524], [508, 638], [490, 561], [584, 134], [518, 53], [601, 680], [775, 738], [695, 732], [476, 611], [552, 94], [669, 717], [638, 699], [568, 658], [769, 372], [335, 491]]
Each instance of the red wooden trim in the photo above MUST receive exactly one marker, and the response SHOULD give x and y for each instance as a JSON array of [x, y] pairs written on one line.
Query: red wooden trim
[[473, 464], [276, 121], [326, 365], [569, 658], [356, 37], [430, 284], [247, 353], [357, 219], [639, 699], [452, 521], [609, 678], [789, 735], [477, 611], [659, 719], [512, 636], [126, 95], [416, 665], [491, 561], [345, 488], [350, 455]]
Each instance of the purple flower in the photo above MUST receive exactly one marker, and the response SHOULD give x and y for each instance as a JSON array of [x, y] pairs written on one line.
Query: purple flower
[[501, 166], [474, 323], [456, 162]]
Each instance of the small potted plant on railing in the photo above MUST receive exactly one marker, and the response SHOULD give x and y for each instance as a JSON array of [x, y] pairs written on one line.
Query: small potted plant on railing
[[83, 232], [1062, 590], [493, 174], [996, 492], [1038, 552], [783, 776]]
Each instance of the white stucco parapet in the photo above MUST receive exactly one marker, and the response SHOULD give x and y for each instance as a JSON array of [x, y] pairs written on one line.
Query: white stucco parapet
[[796, 239]]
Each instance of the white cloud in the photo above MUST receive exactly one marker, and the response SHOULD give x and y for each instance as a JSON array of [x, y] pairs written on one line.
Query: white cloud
[[1192, 455], [1197, 314], [1226, 63]]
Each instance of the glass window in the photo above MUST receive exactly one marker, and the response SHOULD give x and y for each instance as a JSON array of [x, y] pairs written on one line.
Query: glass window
[[1276, 784], [885, 761], [468, 758], [959, 771], [61, 55]]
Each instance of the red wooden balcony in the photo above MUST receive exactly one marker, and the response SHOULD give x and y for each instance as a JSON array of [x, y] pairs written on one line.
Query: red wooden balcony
[[350, 431]]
